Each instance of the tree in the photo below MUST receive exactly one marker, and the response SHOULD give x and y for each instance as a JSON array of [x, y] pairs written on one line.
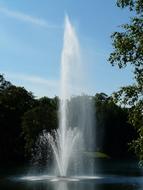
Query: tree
[[14, 101], [113, 132], [3, 83], [42, 117], [128, 50]]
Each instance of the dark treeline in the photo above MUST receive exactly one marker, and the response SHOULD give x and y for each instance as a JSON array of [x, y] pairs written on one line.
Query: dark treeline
[[23, 118]]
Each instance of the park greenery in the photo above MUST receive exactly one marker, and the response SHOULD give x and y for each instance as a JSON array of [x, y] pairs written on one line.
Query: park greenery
[[24, 117], [128, 51], [118, 118]]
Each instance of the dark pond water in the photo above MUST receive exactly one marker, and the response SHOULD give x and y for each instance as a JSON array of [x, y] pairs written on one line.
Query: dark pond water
[[110, 176]]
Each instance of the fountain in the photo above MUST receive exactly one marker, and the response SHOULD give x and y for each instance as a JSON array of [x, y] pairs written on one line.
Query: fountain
[[75, 135], [66, 138], [73, 142], [68, 141]]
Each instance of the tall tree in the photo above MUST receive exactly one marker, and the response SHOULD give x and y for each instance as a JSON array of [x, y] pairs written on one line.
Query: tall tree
[[14, 101], [113, 132], [43, 116], [3, 83], [128, 50]]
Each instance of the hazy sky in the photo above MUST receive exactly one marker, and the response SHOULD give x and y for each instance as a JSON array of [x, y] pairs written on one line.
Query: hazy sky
[[31, 39]]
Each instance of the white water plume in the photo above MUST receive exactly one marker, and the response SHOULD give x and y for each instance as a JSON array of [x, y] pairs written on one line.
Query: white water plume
[[75, 134]]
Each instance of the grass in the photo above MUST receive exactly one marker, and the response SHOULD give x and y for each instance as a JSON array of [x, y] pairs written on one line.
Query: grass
[[97, 155]]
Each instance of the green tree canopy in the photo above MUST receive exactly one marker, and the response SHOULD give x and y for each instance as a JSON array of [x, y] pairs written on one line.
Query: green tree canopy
[[14, 101], [133, 5], [113, 132], [42, 117], [128, 50], [3, 83]]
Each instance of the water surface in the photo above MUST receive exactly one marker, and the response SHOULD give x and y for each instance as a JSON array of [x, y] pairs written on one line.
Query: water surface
[[111, 176]]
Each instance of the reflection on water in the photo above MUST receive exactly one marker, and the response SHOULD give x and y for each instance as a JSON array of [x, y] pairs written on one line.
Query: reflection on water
[[103, 183], [121, 176]]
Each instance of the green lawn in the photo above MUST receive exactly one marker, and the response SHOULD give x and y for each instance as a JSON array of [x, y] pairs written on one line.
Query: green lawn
[[97, 155]]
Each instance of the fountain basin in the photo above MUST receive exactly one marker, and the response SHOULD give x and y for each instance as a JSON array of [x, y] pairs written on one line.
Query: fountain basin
[[108, 179], [58, 178]]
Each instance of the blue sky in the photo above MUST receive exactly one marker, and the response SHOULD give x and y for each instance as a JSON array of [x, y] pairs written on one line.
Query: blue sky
[[31, 37]]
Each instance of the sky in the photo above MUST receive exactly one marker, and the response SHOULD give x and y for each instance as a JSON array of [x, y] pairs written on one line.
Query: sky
[[31, 41]]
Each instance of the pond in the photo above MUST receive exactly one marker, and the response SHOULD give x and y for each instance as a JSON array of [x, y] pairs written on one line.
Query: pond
[[110, 176]]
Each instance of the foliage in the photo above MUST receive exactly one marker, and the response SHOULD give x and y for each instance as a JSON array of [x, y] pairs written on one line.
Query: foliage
[[14, 101], [113, 132], [3, 83], [23, 118], [42, 117], [136, 5], [128, 50]]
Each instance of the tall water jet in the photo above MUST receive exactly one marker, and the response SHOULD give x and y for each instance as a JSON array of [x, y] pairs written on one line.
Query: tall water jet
[[66, 137], [70, 58], [74, 136]]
